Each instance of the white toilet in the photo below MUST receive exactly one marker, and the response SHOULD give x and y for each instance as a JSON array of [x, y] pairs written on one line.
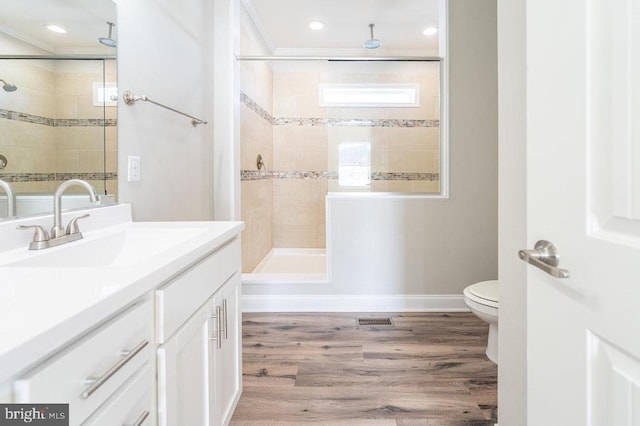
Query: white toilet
[[482, 299]]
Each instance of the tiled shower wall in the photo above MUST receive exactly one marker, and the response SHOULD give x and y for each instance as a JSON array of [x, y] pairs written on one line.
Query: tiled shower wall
[[50, 129], [256, 137], [284, 206]]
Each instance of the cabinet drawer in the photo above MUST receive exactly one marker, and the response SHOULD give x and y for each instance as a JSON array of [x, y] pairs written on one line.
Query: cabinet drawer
[[131, 405], [111, 355], [180, 298]]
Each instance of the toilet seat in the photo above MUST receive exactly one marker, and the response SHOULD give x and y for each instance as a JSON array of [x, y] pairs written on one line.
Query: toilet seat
[[485, 293]]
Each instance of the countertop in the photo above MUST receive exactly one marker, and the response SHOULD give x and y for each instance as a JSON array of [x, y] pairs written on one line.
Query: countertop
[[45, 308]]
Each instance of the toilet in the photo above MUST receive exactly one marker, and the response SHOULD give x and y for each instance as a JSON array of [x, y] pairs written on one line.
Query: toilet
[[482, 299]]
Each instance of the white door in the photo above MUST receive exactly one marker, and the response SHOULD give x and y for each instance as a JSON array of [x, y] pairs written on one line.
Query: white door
[[583, 195], [183, 372], [229, 357]]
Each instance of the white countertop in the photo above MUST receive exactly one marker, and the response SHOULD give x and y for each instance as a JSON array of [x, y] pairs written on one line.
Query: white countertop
[[44, 308]]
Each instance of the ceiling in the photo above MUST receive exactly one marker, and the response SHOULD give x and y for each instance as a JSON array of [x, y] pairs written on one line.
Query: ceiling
[[283, 23], [399, 24], [84, 20]]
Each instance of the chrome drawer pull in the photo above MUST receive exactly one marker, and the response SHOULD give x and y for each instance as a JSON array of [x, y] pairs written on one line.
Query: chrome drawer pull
[[224, 308], [97, 382], [140, 420], [220, 325], [212, 337]]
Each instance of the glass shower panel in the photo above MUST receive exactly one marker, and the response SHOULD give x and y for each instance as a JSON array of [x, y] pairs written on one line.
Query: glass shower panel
[[389, 111], [299, 155], [55, 127]]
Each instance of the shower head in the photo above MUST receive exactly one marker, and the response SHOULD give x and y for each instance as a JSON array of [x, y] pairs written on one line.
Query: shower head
[[109, 41], [372, 43], [8, 87]]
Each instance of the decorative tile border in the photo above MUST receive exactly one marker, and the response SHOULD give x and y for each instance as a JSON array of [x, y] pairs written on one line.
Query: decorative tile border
[[255, 175], [252, 105], [405, 176], [249, 175], [333, 122], [27, 177], [353, 122], [47, 177], [57, 122]]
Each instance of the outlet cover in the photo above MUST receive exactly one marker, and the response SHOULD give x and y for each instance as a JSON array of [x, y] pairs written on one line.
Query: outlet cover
[[133, 169]]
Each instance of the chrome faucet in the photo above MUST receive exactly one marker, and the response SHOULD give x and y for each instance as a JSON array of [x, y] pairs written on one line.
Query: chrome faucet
[[58, 231], [59, 235], [11, 198]]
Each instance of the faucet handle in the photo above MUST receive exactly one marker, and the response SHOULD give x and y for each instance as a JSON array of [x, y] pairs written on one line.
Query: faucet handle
[[40, 233], [72, 227]]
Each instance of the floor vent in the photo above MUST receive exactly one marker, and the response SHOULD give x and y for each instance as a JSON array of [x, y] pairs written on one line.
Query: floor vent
[[374, 321]]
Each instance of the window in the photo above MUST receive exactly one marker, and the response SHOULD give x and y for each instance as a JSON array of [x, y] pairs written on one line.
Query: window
[[370, 95], [354, 164]]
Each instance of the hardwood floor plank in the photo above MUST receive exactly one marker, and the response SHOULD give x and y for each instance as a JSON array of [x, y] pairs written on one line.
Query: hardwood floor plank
[[301, 351], [341, 403], [350, 422], [274, 373], [426, 369]]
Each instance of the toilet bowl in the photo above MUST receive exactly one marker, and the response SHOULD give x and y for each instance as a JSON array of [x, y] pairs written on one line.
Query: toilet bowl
[[482, 299]]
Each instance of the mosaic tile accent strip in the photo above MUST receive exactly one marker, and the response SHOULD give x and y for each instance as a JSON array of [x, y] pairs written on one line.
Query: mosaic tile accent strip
[[305, 175], [404, 176], [27, 118], [353, 122], [46, 177], [333, 122], [27, 177], [248, 175], [255, 175], [57, 122], [252, 105]]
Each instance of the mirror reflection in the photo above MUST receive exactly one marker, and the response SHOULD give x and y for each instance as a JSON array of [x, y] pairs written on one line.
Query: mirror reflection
[[57, 119]]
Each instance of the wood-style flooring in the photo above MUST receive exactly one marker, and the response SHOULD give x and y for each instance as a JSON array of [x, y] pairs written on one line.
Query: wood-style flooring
[[426, 369]]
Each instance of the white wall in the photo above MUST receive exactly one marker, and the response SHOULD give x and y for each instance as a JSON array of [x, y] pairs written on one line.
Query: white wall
[[414, 249], [164, 52], [512, 383]]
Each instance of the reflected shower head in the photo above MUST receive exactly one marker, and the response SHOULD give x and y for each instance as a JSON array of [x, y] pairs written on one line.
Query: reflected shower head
[[372, 43], [8, 87], [109, 41]]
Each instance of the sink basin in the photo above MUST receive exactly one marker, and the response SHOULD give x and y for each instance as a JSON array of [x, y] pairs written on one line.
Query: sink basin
[[125, 247]]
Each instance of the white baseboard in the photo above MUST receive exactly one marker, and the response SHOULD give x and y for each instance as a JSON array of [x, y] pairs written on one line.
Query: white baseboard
[[354, 303]]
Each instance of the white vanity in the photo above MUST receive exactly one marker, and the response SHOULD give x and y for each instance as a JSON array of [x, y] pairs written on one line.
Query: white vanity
[[135, 324]]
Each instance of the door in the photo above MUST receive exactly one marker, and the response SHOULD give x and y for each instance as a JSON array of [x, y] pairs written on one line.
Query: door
[[227, 361], [583, 195], [183, 373]]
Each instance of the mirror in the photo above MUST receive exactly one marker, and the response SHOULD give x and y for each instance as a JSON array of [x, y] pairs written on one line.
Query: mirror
[[57, 120]]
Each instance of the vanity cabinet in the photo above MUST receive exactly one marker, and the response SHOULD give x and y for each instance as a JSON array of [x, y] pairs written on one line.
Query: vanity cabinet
[[152, 343], [93, 371], [199, 368], [228, 360]]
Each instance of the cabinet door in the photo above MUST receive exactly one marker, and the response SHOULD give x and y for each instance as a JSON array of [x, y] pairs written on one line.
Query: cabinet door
[[183, 373], [228, 356]]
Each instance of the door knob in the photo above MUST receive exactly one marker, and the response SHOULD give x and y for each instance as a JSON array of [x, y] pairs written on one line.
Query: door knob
[[544, 256]]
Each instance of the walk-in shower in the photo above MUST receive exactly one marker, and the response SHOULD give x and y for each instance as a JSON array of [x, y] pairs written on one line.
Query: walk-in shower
[[367, 126]]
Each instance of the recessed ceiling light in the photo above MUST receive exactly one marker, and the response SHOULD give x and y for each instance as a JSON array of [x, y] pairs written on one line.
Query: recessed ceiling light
[[56, 29], [316, 25], [430, 31]]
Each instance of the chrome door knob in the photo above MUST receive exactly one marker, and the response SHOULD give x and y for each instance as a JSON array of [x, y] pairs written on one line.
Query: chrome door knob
[[544, 256]]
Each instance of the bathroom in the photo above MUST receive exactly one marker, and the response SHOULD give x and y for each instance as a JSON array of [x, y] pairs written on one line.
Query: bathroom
[[404, 253], [180, 167]]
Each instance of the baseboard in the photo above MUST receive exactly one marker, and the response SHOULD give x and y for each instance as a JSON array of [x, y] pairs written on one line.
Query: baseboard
[[354, 303]]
